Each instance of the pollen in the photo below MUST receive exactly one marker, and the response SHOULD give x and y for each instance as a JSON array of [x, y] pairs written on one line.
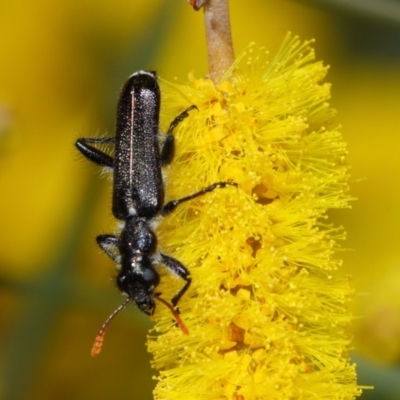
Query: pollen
[[268, 309]]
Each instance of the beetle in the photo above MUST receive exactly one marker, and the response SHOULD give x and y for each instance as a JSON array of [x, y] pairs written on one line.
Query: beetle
[[138, 193]]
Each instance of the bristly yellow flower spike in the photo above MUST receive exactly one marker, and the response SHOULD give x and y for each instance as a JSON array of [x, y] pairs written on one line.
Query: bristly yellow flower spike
[[268, 311]]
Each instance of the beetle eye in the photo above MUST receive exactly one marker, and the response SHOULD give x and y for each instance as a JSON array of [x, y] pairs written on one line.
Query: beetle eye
[[151, 276]]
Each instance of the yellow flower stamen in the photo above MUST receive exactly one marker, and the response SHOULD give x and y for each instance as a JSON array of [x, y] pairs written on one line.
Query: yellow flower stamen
[[267, 311]]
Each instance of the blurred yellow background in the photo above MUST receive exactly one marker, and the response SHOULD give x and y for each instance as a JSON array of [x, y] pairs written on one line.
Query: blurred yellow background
[[62, 65]]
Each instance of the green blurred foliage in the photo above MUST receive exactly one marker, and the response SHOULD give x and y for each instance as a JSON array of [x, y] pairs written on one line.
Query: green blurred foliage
[[62, 66]]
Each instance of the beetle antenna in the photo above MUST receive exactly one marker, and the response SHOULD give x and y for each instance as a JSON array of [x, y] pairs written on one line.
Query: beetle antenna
[[175, 314], [98, 342]]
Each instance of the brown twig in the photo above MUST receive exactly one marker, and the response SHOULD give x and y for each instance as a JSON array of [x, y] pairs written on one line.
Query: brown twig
[[219, 38]]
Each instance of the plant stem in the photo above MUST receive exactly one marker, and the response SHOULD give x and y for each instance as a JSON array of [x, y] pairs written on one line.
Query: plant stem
[[219, 38]]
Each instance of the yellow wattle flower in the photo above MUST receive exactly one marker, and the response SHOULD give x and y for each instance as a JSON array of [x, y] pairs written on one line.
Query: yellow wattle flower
[[267, 310]]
